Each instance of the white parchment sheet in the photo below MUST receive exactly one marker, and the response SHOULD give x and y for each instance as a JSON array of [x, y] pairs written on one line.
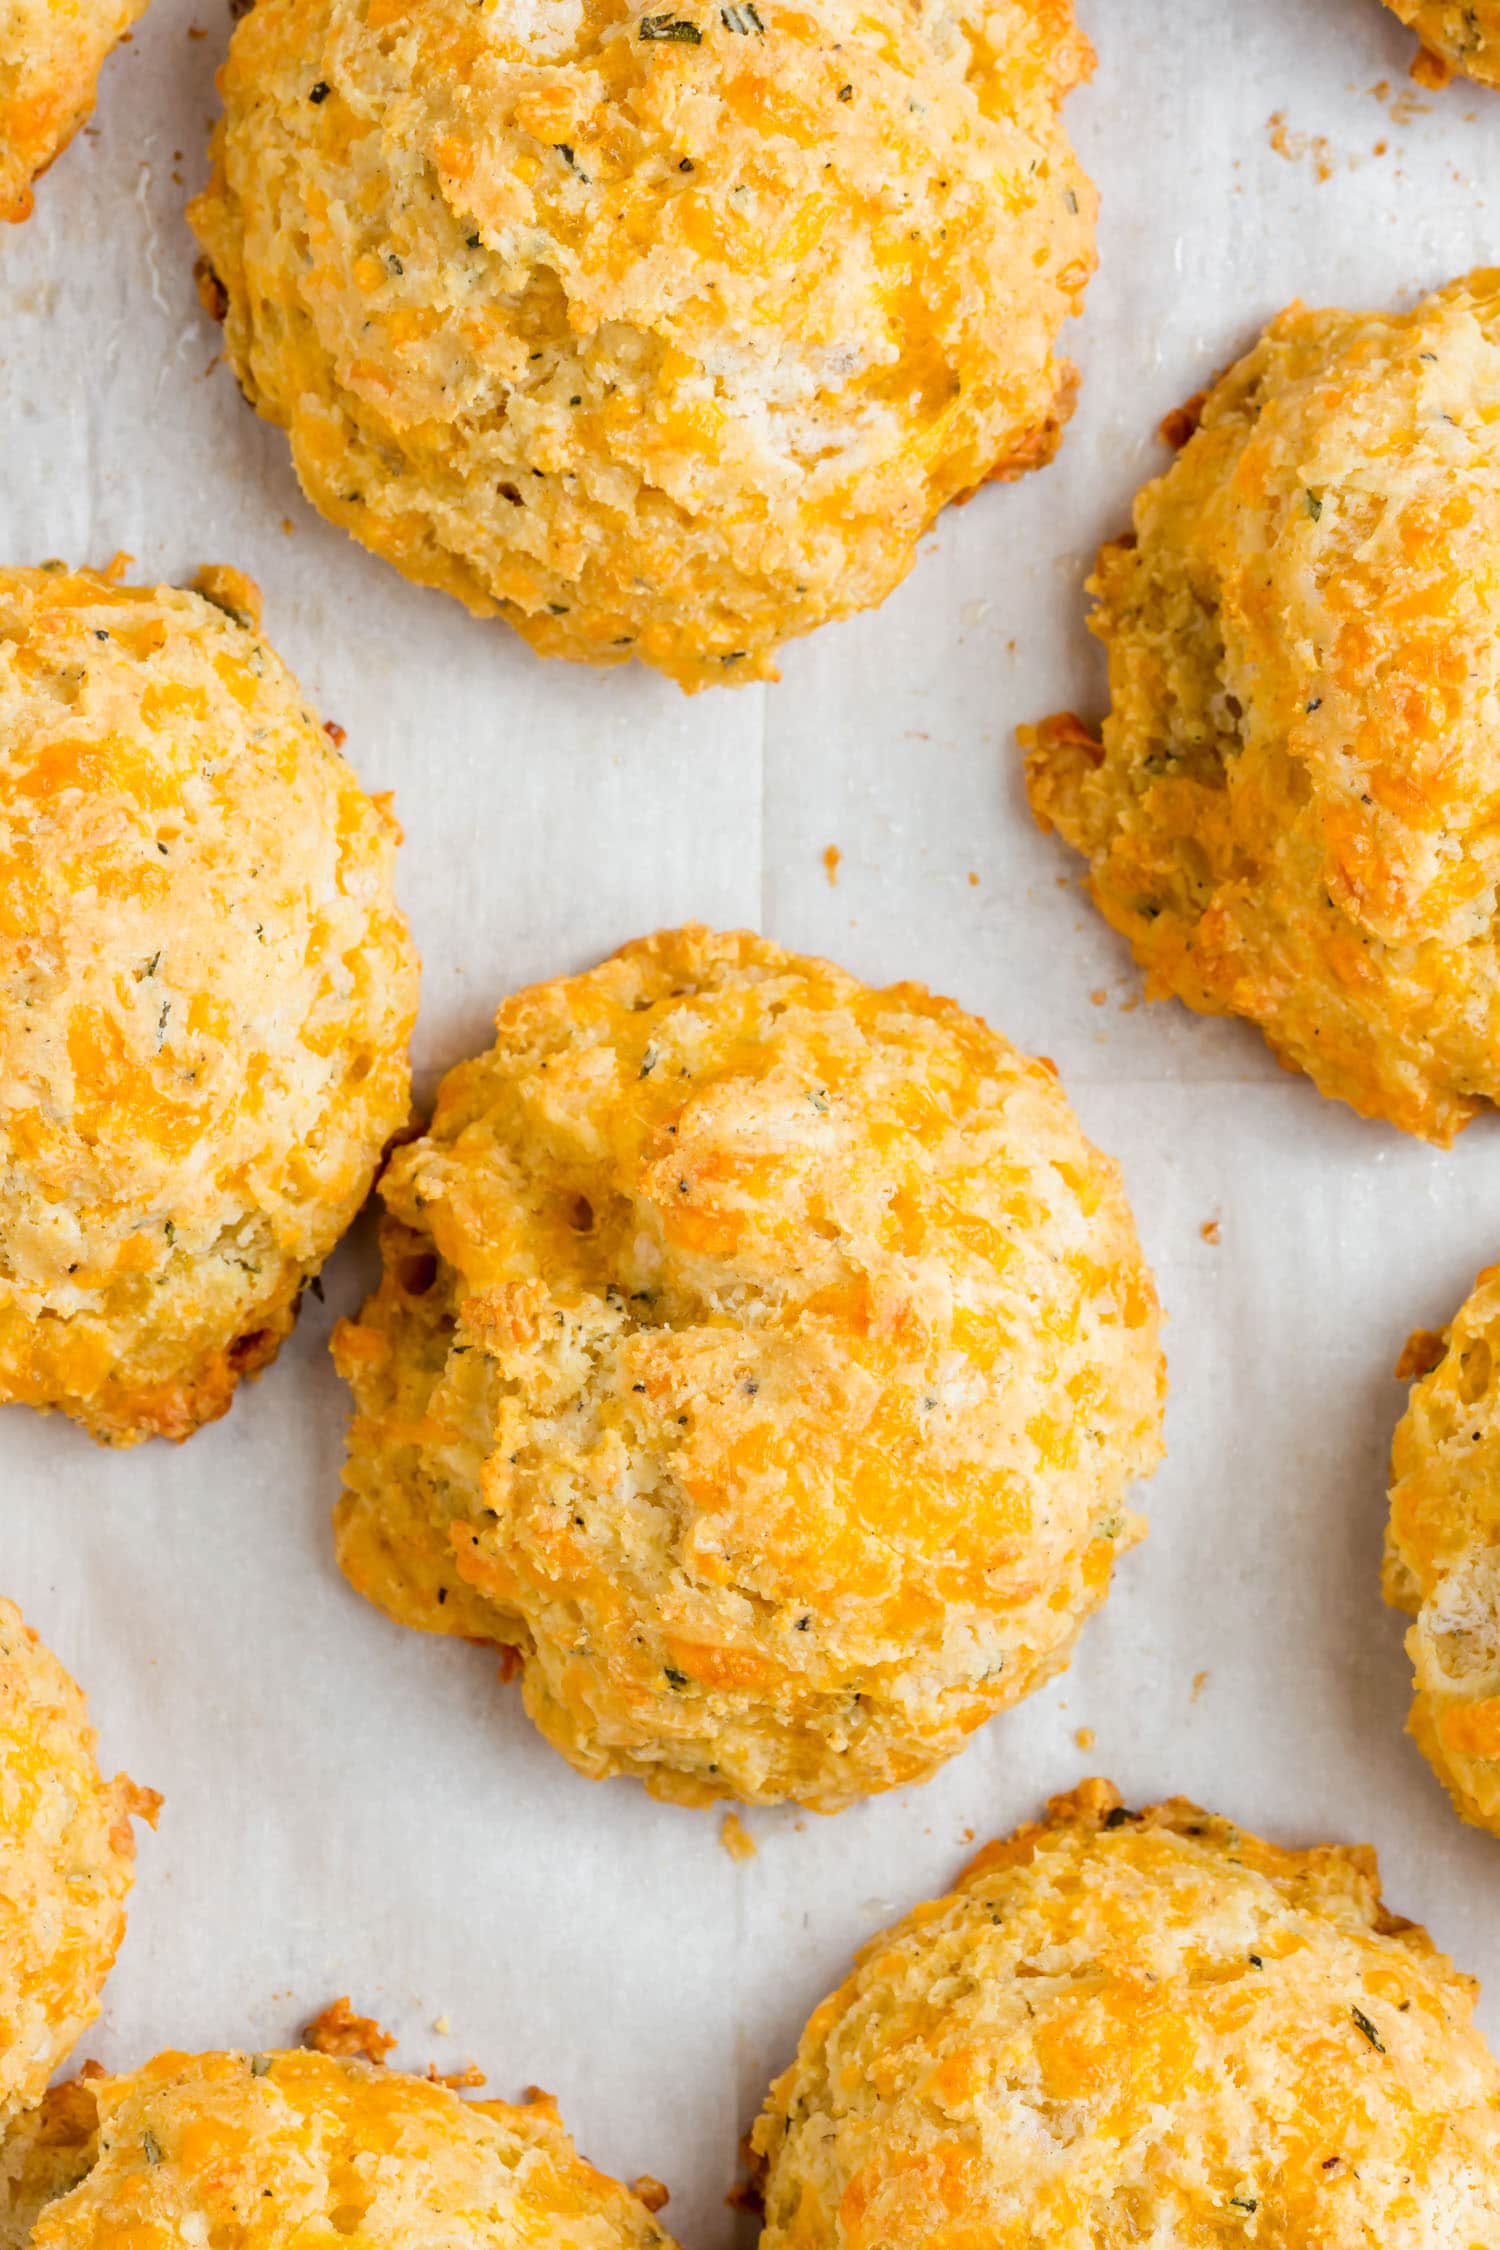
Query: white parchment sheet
[[354, 1808]]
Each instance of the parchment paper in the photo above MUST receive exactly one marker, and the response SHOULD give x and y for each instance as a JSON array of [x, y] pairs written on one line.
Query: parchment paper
[[352, 1808]]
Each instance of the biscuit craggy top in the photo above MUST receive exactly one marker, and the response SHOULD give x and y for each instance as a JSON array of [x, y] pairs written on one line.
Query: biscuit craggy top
[[1292, 815], [205, 997], [51, 53], [294, 2149], [1131, 2028], [766, 1357], [1457, 34], [665, 332], [67, 1854], [1443, 1554]]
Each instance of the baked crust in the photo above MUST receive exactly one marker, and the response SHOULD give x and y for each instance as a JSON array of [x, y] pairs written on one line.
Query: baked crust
[[1130, 2027], [207, 995], [663, 334], [1289, 811], [67, 1858], [765, 1358]]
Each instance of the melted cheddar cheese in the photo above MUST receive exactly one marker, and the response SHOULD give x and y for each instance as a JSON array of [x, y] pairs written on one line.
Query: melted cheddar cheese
[[765, 1357]]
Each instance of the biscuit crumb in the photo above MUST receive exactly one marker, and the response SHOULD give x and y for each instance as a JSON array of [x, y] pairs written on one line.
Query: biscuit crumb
[[1176, 428], [651, 2192], [1200, 1682], [831, 857], [974, 878], [1084, 1737], [1210, 1230], [1423, 1348], [442, 2025], [457, 2081], [338, 2031], [1295, 146], [736, 1837]]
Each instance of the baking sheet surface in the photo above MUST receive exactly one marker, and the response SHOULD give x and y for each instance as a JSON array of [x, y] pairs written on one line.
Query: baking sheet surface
[[351, 1808]]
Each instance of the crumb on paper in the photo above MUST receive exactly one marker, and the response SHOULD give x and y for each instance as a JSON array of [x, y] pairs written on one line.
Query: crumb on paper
[[336, 734], [338, 2031], [974, 877], [1200, 1682], [1084, 1737], [967, 1837], [831, 857], [1296, 146], [1210, 1230], [1098, 996], [736, 1837], [1403, 102], [457, 2081], [442, 2025], [287, 526], [1423, 1348], [651, 2192]]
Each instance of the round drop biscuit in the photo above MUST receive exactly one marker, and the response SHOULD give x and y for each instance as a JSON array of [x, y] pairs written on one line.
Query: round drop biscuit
[[51, 54], [1127, 2028], [1456, 35], [1290, 814], [1442, 1559], [205, 997], [67, 1855], [765, 1359], [662, 332], [293, 2149]]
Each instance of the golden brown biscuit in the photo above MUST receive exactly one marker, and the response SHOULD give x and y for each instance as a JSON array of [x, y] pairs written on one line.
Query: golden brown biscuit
[[51, 54], [1131, 2028], [67, 1855], [1442, 1559], [1291, 814], [291, 2150], [205, 997], [1456, 35], [43, 2153], [765, 1358], [662, 332]]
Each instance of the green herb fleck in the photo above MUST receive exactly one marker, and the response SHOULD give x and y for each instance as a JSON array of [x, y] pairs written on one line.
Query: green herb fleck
[[320, 92], [259, 2065], [676, 28], [152, 2147], [846, 93], [674, 1678], [1366, 2029], [648, 1060], [743, 18], [1244, 2203], [1116, 1817], [1071, 200], [1315, 505]]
